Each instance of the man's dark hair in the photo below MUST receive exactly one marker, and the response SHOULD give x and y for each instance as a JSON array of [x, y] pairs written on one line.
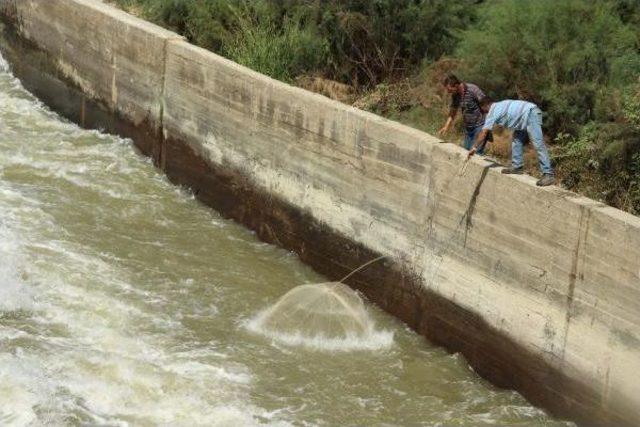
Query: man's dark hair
[[451, 80], [486, 101]]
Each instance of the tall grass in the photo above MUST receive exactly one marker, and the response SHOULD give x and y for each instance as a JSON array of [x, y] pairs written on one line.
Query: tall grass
[[283, 50], [254, 33]]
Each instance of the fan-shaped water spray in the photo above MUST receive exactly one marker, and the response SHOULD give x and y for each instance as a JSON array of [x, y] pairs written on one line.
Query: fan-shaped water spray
[[327, 316]]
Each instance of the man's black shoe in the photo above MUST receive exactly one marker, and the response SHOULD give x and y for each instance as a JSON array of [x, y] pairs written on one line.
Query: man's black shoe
[[512, 171], [546, 180]]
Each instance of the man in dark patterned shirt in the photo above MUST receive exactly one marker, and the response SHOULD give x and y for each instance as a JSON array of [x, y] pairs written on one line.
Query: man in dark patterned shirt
[[467, 97]]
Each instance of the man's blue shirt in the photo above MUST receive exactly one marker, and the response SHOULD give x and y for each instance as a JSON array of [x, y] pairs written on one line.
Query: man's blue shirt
[[510, 114]]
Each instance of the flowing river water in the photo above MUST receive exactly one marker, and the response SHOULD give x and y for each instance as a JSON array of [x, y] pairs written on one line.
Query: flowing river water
[[123, 301]]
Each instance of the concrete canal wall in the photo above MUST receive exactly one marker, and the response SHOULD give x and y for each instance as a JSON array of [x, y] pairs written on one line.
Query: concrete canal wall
[[539, 288]]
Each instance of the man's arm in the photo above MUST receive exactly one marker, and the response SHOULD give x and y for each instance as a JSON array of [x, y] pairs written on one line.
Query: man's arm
[[453, 111], [482, 135], [489, 122], [450, 119]]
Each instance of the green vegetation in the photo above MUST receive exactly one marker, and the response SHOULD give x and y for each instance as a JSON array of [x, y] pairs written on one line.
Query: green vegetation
[[362, 43], [567, 56], [579, 60], [282, 50], [603, 160]]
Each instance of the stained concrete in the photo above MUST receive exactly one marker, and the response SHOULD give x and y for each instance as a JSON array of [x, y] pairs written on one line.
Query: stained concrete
[[538, 287]]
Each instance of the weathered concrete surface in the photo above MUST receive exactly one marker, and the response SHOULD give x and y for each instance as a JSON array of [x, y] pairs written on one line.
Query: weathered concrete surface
[[114, 58], [539, 288]]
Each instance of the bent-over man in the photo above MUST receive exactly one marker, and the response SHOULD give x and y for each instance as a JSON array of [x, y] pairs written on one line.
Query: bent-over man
[[525, 119]]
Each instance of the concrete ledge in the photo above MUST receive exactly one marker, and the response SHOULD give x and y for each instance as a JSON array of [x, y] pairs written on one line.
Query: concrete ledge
[[116, 59], [538, 288]]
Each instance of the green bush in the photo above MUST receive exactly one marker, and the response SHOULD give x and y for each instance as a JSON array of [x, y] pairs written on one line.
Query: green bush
[[362, 43], [260, 34], [169, 13], [564, 55], [631, 106], [209, 23], [603, 162], [281, 48], [377, 41]]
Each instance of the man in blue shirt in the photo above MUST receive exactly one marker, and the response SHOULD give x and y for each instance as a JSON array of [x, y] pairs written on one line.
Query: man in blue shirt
[[465, 97], [525, 119]]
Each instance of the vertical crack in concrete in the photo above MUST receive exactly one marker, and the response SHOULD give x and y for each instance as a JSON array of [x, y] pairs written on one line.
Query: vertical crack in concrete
[[114, 80], [467, 217], [465, 220], [576, 265], [161, 161], [161, 140]]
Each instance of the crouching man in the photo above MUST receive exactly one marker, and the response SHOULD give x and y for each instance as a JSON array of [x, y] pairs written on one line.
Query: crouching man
[[525, 119]]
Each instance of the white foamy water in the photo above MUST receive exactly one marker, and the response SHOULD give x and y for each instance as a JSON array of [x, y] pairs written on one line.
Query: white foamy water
[[14, 293], [123, 302]]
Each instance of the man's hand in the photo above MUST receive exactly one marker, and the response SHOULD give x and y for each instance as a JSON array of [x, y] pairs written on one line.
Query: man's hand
[[480, 138], [447, 124]]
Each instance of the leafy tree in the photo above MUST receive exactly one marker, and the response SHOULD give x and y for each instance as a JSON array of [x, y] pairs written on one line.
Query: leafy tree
[[567, 56]]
